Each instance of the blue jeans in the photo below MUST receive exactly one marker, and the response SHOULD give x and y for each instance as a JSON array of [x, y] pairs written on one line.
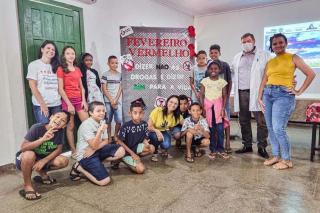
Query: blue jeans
[[279, 105], [217, 140], [165, 144], [40, 117]]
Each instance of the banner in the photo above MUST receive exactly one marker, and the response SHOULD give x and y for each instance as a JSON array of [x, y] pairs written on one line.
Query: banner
[[155, 63]]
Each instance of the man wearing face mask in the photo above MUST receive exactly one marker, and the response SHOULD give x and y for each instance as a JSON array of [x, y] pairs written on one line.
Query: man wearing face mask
[[248, 68]]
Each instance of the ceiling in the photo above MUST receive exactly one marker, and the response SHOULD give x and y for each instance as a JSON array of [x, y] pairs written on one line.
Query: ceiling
[[206, 7]]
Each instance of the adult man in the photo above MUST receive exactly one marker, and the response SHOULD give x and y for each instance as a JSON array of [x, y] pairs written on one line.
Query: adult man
[[248, 68]]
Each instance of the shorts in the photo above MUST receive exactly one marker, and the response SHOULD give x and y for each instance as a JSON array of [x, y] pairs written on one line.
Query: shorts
[[129, 160], [40, 117], [46, 167], [197, 142], [76, 102], [114, 113], [94, 165]]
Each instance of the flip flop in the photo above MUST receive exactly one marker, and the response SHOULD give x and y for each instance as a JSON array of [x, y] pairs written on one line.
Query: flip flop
[[197, 152], [45, 181], [189, 159], [212, 156], [24, 194]]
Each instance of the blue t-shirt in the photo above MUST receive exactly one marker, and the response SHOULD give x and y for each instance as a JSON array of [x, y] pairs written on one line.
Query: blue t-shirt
[[198, 75], [132, 134]]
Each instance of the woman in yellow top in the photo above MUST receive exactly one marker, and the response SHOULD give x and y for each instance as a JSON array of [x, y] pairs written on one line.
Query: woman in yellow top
[[277, 98], [162, 122]]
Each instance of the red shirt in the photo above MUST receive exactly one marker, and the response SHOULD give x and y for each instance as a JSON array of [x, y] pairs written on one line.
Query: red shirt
[[71, 82]]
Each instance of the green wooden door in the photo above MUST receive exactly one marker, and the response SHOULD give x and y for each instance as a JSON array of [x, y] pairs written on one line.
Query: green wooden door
[[47, 20]]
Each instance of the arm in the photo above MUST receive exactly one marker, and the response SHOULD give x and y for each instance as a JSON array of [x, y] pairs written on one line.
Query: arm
[[106, 92], [133, 155], [261, 88], [96, 142], [153, 129], [31, 145], [202, 91], [83, 95], [38, 96], [40, 163], [307, 71], [118, 94], [64, 96]]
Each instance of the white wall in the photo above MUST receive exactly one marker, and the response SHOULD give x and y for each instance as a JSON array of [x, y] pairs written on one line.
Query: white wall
[[226, 29], [101, 24]]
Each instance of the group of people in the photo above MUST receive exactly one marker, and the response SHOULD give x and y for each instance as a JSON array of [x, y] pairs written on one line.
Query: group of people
[[263, 86]]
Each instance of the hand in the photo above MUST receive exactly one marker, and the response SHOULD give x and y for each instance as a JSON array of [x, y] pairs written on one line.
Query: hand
[[146, 142], [198, 95], [39, 165], [48, 135], [88, 152], [135, 157], [261, 105], [294, 81], [84, 106], [102, 128], [192, 131], [44, 109], [71, 109], [114, 106], [204, 113], [223, 113], [159, 135], [294, 92]]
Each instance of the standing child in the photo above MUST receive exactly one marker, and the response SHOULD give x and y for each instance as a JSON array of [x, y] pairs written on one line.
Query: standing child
[[134, 137], [198, 73], [225, 73], [93, 148], [111, 87], [213, 98], [197, 132], [71, 91], [90, 79]]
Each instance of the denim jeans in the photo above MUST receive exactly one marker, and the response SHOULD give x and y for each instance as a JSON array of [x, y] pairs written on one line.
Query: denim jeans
[[40, 117], [279, 105], [165, 144], [217, 138]]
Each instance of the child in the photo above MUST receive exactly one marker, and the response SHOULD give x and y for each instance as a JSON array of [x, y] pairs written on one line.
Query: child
[[93, 148], [184, 105], [71, 91], [197, 132], [225, 73], [90, 79], [40, 151], [198, 73], [111, 87], [134, 137], [213, 98]]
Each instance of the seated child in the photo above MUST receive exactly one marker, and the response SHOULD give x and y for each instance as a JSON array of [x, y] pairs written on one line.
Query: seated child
[[93, 148], [134, 137], [197, 132], [40, 151], [184, 105]]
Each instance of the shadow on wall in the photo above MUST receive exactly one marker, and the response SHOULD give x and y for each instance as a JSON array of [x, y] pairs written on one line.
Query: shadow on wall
[[93, 51]]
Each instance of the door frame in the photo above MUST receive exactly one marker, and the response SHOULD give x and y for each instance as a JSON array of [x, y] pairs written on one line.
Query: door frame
[[20, 4]]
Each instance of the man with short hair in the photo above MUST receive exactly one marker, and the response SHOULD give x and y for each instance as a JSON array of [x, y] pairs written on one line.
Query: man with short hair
[[248, 69]]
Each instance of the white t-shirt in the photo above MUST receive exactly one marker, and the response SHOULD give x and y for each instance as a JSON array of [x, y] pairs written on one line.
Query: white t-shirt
[[94, 92], [113, 81], [47, 83]]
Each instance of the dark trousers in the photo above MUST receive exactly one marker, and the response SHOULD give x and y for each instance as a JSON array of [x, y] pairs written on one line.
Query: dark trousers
[[245, 122]]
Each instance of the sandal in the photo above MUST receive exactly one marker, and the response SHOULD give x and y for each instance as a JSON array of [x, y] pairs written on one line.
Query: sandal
[[212, 156], [189, 159], [228, 150], [74, 173], [46, 181], [271, 161], [25, 194], [166, 155], [281, 165], [154, 158], [223, 155], [197, 152]]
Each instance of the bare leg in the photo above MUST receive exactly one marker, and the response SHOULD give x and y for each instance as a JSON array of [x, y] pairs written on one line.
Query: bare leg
[[227, 132], [57, 163], [28, 159], [70, 137], [147, 150], [116, 130], [189, 138], [109, 132]]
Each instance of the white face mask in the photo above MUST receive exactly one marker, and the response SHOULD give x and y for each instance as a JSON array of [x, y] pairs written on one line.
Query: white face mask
[[247, 47]]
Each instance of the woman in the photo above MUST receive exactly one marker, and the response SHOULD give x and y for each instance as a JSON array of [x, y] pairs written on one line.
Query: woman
[[43, 82], [161, 124], [277, 98], [90, 79]]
